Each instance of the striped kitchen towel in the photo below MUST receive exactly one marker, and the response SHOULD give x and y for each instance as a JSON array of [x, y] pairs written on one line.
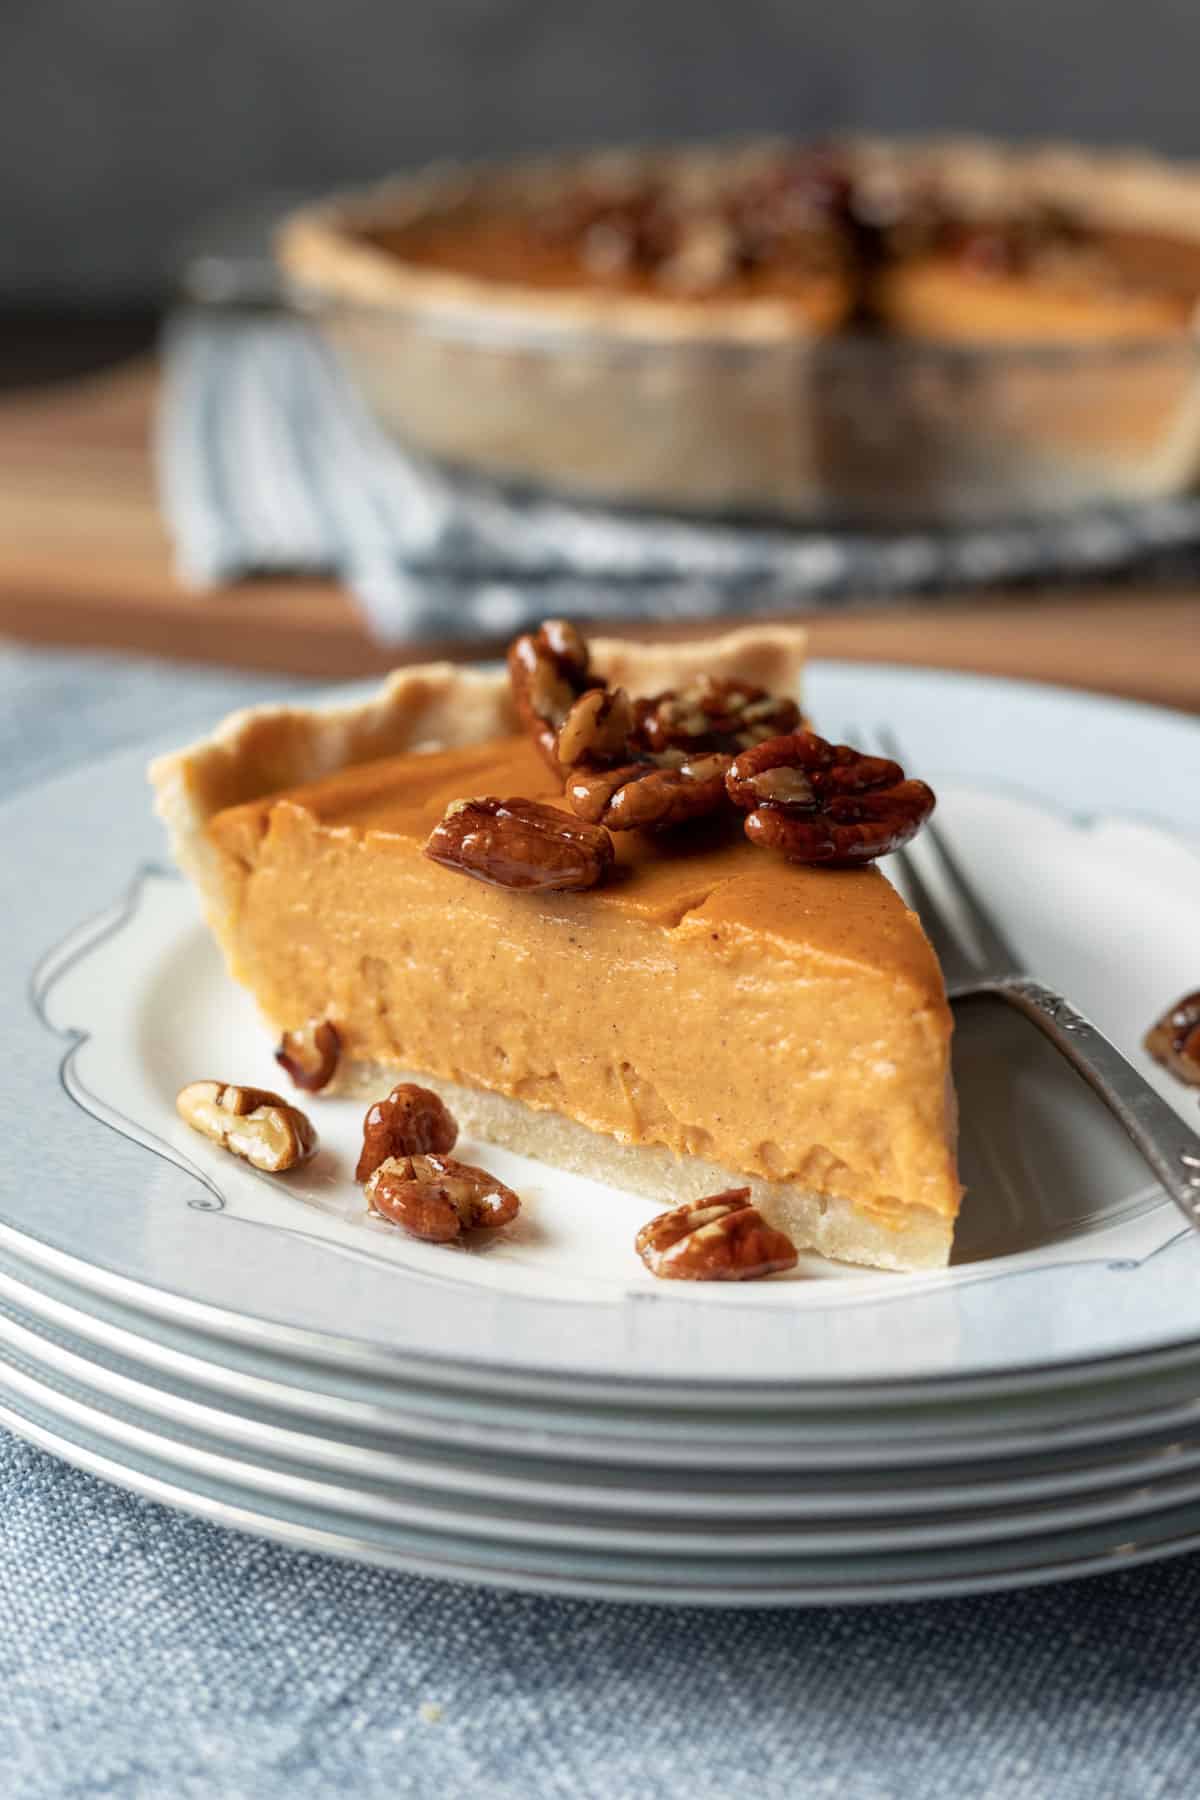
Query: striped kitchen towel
[[268, 463]]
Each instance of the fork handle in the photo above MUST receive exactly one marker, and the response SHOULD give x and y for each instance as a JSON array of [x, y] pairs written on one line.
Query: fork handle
[[1168, 1145]]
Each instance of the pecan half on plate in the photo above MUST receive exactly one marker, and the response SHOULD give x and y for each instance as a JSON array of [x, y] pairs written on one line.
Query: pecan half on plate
[[310, 1055], [721, 1238], [253, 1123], [437, 1199], [410, 1121]]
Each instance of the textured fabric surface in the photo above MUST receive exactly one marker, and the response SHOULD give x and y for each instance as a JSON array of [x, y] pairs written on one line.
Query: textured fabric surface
[[268, 462], [144, 1653]]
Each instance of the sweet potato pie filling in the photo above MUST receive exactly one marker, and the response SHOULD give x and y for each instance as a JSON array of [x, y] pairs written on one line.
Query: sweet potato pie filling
[[779, 1021]]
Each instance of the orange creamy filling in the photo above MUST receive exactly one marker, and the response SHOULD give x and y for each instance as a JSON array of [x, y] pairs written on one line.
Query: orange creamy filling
[[1129, 284], [506, 250], [780, 1021]]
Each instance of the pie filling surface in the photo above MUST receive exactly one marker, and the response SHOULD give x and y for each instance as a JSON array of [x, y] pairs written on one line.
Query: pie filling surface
[[779, 1021], [809, 228]]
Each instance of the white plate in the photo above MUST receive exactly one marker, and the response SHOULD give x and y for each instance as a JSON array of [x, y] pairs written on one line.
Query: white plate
[[1072, 1256], [556, 1501], [154, 1469], [1037, 1442]]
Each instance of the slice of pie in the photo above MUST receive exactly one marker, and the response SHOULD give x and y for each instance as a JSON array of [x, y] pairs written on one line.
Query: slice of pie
[[711, 1017]]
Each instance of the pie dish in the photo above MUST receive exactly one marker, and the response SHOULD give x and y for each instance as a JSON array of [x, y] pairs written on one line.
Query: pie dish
[[714, 1017], [879, 331]]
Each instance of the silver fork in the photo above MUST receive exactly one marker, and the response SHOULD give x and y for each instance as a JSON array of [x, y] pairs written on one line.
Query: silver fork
[[1160, 1135]]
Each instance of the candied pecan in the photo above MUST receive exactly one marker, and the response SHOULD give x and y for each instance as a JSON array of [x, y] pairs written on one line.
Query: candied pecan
[[645, 795], [310, 1055], [720, 1238], [520, 844], [1175, 1040], [548, 669], [598, 730], [661, 761], [825, 803], [712, 714], [436, 1198], [253, 1123], [410, 1121]]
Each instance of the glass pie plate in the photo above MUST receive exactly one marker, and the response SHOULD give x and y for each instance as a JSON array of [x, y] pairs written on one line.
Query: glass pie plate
[[740, 405], [857, 431]]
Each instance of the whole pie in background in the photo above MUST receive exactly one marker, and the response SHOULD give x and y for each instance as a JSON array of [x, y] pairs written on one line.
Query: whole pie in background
[[881, 331]]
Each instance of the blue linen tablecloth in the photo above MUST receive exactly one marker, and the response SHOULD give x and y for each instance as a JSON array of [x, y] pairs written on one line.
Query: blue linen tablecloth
[[267, 461], [144, 1653]]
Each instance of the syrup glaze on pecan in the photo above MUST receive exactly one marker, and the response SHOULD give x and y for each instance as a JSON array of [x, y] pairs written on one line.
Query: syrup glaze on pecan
[[548, 669], [598, 730], [817, 802], [645, 796], [1175, 1040], [675, 757], [437, 1198], [661, 761], [709, 714], [410, 1121], [521, 844]]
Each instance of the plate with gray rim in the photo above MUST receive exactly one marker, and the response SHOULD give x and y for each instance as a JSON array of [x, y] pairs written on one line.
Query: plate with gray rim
[[1071, 1267]]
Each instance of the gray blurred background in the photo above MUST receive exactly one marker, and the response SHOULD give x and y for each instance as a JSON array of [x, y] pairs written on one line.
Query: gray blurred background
[[122, 122]]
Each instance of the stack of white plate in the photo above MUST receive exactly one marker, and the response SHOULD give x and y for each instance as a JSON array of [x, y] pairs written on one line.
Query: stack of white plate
[[542, 1413]]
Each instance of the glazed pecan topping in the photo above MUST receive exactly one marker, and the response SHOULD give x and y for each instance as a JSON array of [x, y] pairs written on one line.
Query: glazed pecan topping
[[1175, 1040], [548, 669], [438, 1199], [721, 1238], [410, 1121], [253, 1123], [644, 795], [817, 802], [598, 730], [709, 714], [661, 761], [521, 844], [310, 1055]]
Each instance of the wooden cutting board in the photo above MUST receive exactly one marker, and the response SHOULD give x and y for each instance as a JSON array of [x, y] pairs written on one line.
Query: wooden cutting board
[[84, 560]]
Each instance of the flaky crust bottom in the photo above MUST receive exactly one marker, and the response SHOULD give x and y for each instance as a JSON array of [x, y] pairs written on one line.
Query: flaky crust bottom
[[832, 1226]]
